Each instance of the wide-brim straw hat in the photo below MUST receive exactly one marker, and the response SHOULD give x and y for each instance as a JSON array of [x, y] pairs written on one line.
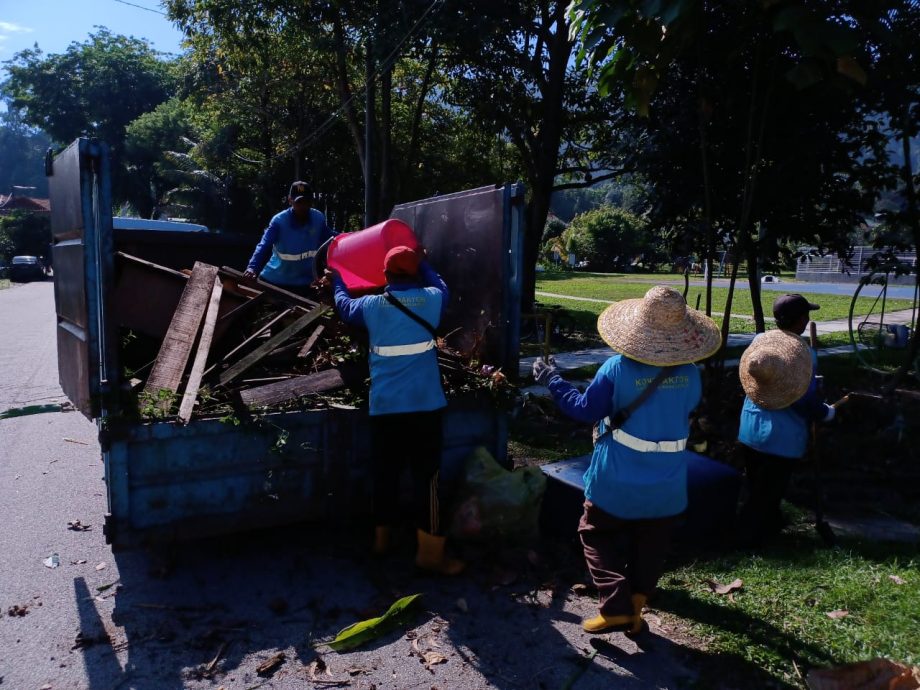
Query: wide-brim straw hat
[[775, 369], [659, 329]]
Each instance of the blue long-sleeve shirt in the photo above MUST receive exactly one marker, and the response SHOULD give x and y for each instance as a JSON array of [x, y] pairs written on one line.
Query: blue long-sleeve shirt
[[284, 255], [622, 481], [403, 358]]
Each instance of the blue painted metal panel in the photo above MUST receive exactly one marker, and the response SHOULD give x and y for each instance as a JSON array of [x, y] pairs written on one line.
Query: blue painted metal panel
[[172, 481], [712, 497]]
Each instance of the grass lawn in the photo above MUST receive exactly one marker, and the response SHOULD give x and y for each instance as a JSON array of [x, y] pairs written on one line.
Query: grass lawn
[[777, 627], [616, 287], [613, 288], [4, 283]]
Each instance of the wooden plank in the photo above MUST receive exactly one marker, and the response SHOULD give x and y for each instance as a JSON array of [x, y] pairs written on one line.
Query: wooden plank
[[311, 341], [201, 356], [248, 340], [282, 391], [273, 343], [268, 287], [177, 345]]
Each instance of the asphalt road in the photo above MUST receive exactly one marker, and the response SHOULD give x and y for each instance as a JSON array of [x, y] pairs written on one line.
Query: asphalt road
[[205, 615]]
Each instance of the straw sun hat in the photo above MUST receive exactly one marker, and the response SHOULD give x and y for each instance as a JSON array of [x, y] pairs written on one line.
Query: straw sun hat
[[659, 329], [775, 369]]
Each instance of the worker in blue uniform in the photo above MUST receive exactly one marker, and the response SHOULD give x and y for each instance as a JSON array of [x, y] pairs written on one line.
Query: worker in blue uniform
[[406, 397], [284, 255], [778, 374], [636, 483]]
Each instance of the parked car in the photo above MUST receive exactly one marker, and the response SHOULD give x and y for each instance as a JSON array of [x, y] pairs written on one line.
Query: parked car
[[26, 268]]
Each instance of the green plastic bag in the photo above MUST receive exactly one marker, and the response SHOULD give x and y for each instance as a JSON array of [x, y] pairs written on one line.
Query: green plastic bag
[[495, 504]]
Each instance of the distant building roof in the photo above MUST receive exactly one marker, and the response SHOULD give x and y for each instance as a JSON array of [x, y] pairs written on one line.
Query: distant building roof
[[14, 202]]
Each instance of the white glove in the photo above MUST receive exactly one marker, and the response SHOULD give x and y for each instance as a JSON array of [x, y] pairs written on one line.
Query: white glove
[[543, 371]]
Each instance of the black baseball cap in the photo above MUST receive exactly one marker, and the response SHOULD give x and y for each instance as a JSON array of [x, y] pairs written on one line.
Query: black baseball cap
[[790, 308], [300, 190]]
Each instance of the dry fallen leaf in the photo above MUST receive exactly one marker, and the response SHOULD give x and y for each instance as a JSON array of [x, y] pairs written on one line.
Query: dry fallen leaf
[[100, 566], [897, 579], [432, 658], [733, 586], [839, 613], [877, 674], [318, 666], [270, 665]]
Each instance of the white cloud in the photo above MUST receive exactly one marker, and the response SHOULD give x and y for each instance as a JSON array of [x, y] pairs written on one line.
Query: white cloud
[[14, 28]]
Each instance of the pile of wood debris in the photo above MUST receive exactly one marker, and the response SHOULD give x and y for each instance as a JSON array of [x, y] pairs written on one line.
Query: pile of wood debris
[[206, 341]]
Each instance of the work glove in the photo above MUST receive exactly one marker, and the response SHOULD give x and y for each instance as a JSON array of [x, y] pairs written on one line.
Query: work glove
[[543, 371]]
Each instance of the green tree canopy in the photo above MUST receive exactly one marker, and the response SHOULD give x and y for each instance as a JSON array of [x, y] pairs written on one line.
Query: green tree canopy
[[94, 88], [22, 155], [25, 233], [608, 238], [757, 125]]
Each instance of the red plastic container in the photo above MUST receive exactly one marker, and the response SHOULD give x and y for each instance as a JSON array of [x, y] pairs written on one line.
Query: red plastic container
[[358, 256]]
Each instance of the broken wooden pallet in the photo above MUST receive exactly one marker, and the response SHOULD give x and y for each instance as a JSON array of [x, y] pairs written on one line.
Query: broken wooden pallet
[[183, 329], [273, 290], [271, 344], [201, 355]]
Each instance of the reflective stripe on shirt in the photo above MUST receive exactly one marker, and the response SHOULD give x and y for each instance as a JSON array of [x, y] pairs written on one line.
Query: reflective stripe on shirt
[[399, 350], [644, 446], [294, 257]]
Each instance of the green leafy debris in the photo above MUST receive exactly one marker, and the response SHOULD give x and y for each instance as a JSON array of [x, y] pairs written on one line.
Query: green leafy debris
[[364, 631]]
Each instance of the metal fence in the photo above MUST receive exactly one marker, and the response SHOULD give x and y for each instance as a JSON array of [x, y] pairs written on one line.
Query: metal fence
[[814, 268]]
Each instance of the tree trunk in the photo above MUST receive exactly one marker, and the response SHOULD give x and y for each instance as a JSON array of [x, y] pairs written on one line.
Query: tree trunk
[[726, 319], [386, 142], [535, 215], [754, 284], [546, 153], [371, 193], [409, 165], [344, 89]]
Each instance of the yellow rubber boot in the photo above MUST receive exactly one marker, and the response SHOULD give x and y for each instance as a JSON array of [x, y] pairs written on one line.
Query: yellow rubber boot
[[381, 540], [601, 623], [431, 556], [638, 602]]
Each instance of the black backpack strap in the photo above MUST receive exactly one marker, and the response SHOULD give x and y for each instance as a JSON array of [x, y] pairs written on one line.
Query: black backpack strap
[[619, 419], [411, 314]]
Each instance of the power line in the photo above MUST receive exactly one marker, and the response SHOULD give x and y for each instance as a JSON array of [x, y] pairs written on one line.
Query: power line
[[319, 131], [141, 7]]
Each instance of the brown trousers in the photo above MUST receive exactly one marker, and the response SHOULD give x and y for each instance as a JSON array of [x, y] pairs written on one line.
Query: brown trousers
[[624, 557]]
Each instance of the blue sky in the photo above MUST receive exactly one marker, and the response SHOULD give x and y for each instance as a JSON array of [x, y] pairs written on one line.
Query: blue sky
[[55, 24]]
